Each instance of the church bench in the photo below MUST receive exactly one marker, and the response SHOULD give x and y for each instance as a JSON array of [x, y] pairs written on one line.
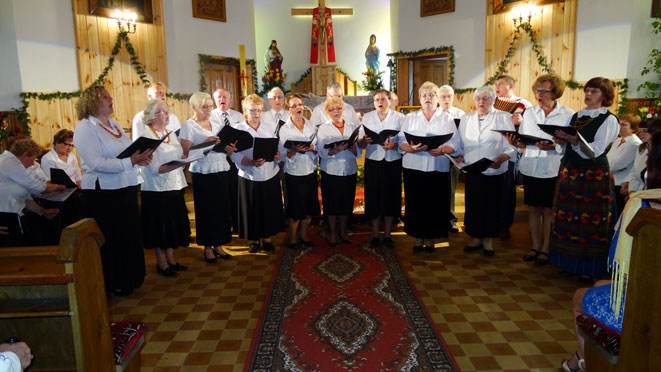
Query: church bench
[[54, 299], [640, 341]]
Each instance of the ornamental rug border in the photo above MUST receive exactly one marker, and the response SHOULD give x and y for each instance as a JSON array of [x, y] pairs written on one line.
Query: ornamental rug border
[[418, 345]]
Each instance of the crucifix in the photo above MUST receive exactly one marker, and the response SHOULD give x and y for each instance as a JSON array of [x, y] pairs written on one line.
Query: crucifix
[[322, 49]]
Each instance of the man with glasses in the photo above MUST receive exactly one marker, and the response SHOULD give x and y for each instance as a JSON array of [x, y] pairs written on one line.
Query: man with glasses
[[349, 115], [154, 91]]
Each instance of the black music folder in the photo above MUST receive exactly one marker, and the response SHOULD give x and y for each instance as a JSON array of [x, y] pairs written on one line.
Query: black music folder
[[142, 144], [350, 141], [523, 138], [265, 148], [583, 144], [432, 142], [229, 135], [457, 121], [60, 177], [381, 137], [477, 167]]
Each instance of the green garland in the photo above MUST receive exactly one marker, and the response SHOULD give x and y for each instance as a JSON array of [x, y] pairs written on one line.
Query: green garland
[[442, 49], [305, 74], [204, 59]]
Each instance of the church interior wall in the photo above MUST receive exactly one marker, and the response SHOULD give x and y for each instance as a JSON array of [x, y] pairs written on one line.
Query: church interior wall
[[186, 37], [641, 43], [10, 72], [352, 34]]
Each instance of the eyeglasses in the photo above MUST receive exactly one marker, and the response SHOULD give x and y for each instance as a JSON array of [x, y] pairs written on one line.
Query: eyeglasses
[[483, 98], [428, 95], [380, 99], [542, 91], [333, 109], [255, 111], [296, 105], [67, 144], [206, 107], [167, 113]]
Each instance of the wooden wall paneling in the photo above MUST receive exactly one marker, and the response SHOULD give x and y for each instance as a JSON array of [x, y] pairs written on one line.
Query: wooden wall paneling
[[557, 20], [464, 101], [42, 123], [570, 7], [490, 38], [403, 81], [55, 119]]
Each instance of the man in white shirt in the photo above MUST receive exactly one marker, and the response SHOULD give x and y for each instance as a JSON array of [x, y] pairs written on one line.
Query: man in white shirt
[[277, 112], [349, 115], [445, 100], [137, 127], [504, 88]]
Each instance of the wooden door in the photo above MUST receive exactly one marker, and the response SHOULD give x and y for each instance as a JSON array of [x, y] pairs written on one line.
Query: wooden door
[[226, 77], [431, 69]]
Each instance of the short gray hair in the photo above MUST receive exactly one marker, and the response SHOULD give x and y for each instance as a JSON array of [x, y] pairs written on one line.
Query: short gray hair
[[275, 89], [484, 89], [333, 85], [446, 87], [150, 110], [197, 99]]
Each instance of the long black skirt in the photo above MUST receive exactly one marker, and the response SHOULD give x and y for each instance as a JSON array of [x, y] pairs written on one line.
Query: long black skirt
[[383, 188], [483, 195], [427, 202], [14, 233], [338, 194], [164, 225], [213, 220], [118, 215], [303, 196], [260, 208]]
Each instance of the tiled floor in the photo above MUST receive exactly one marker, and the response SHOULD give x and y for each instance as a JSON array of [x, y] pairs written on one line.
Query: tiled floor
[[495, 314]]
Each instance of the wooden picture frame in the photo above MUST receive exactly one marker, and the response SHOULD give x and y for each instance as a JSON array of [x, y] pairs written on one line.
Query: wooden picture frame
[[656, 7], [501, 6], [106, 8], [213, 10], [433, 7]]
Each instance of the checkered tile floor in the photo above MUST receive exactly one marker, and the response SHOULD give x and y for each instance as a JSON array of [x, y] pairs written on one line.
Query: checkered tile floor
[[495, 314]]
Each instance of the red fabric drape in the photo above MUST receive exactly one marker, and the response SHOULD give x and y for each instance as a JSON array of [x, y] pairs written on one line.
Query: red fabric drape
[[315, 40]]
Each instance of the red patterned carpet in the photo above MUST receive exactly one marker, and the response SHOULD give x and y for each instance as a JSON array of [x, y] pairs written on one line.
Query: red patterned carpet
[[345, 308]]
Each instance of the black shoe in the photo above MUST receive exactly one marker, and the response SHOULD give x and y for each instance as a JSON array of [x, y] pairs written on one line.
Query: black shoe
[[505, 234], [269, 247], [254, 247], [225, 256], [488, 252], [207, 259], [532, 257], [429, 248], [374, 243], [178, 267], [541, 261], [417, 248], [453, 228], [470, 248], [388, 243], [168, 271], [122, 292], [307, 243]]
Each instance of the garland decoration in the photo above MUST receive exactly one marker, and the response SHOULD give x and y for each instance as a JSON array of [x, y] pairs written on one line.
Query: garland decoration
[[305, 74], [438, 50], [204, 59]]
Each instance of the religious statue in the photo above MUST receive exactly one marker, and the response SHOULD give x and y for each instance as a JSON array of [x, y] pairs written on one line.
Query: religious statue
[[272, 57], [322, 36], [372, 55]]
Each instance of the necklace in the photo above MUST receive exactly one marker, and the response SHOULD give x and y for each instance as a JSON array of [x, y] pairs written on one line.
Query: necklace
[[116, 135], [157, 135], [580, 124], [299, 127]]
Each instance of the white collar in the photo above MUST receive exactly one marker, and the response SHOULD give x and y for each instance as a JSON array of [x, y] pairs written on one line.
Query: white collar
[[592, 113]]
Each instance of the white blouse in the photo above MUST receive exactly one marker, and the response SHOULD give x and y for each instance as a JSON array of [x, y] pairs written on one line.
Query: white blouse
[[344, 162], [479, 141], [139, 129], [272, 116], [267, 170], [165, 152], [70, 167], [605, 135], [636, 182], [621, 157], [535, 162], [214, 162], [299, 164], [372, 122], [455, 112], [440, 123], [98, 150], [16, 183]]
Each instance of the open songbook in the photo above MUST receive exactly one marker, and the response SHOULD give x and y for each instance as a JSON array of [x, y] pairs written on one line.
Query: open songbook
[[350, 141], [523, 138], [290, 143], [195, 153], [432, 142], [477, 167], [513, 107], [265, 148], [229, 135], [381, 137], [142, 144], [57, 196], [583, 144], [60, 177]]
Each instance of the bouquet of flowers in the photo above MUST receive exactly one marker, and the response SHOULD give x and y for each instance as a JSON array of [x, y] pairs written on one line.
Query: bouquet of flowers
[[373, 80], [273, 78], [650, 110], [4, 126]]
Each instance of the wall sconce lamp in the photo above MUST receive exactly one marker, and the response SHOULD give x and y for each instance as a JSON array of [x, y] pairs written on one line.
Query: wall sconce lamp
[[126, 20], [521, 13]]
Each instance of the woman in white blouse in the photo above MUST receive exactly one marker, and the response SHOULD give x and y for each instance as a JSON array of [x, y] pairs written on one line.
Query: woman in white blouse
[[211, 188], [62, 157], [583, 202], [110, 189], [302, 201], [483, 190], [635, 180], [622, 155], [540, 162], [17, 186], [338, 170], [383, 169], [260, 195], [164, 224]]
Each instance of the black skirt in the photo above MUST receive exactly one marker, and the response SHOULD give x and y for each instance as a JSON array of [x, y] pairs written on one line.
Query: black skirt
[[164, 224], [383, 188], [260, 208], [338, 194], [118, 215], [538, 192], [14, 236], [211, 196], [427, 201], [303, 196], [483, 195]]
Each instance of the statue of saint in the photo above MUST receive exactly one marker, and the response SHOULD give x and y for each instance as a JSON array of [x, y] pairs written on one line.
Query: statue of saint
[[272, 57], [372, 55]]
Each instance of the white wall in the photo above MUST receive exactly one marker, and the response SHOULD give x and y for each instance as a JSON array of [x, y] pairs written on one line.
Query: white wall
[[186, 37], [641, 43], [10, 74], [273, 21], [464, 30]]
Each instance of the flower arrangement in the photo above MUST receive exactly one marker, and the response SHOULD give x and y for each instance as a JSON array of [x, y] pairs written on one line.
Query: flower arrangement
[[273, 78], [373, 79], [650, 110], [4, 127]]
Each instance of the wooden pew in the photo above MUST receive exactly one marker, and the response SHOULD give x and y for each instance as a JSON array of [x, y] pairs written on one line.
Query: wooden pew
[[640, 348], [54, 299]]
